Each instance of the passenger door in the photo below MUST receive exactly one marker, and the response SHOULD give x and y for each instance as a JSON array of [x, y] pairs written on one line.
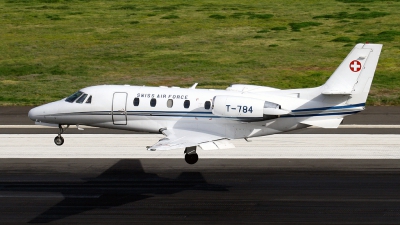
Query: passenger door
[[119, 108]]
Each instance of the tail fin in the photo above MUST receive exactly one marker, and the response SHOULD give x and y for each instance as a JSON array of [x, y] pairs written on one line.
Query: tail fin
[[354, 75]]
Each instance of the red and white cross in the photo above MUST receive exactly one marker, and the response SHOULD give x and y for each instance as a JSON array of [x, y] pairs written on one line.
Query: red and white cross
[[355, 66]]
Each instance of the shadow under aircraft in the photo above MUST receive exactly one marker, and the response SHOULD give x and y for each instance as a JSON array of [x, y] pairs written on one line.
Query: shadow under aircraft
[[123, 183]]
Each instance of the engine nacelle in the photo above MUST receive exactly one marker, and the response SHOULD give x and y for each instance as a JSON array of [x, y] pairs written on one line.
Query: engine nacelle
[[245, 108], [234, 106]]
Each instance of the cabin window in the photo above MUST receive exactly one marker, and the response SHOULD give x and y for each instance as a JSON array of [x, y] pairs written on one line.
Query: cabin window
[[89, 100], [136, 102], [207, 105], [74, 96], [81, 99], [153, 102], [186, 104], [170, 103]]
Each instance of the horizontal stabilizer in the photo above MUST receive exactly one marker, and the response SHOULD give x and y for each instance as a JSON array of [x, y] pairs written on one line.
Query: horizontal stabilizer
[[214, 145], [327, 123]]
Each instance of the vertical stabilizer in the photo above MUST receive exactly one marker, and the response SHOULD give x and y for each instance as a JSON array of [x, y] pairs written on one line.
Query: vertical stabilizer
[[354, 75]]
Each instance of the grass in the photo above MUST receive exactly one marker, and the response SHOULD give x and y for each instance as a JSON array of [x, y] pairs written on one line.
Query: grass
[[298, 26], [168, 17], [51, 48], [342, 39], [263, 31], [218, 17], [279, 28], [251, 15], [385, 36], [346, 15]]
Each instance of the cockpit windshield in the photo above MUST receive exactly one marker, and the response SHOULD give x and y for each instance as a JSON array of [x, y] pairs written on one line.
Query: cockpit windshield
[[74, 96], [81, 99]]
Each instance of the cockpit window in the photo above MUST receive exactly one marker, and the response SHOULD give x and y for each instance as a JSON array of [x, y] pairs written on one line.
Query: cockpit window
[[74, 96], [82, 98], [89, 100]]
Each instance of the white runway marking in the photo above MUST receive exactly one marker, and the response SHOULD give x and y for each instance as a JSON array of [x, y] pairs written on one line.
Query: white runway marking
[[324, 146]]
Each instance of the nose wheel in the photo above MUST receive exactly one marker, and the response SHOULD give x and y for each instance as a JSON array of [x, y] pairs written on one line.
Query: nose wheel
[[191, 156], [59, 140]]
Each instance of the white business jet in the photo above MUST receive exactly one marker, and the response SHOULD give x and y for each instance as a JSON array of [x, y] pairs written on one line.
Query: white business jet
[[207, 118]]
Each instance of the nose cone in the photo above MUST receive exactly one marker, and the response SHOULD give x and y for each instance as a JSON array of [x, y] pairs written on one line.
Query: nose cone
[[34, 113], [44, 113]]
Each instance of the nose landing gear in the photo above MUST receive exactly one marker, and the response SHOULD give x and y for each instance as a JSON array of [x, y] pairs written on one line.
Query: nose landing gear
[[191, 156], [59, 140]]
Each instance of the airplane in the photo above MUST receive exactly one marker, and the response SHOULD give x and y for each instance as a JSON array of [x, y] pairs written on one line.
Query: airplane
[[206, 118]]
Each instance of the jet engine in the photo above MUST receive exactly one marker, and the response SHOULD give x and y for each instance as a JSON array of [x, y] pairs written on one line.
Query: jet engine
[[245, 108]]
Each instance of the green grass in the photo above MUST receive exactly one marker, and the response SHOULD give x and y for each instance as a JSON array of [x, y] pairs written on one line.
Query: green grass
[[342, 39], [263, 31], [279, 28], [251, 15], [51, 48], [218, 17], [364, 9], [346, 15], [168, 17], [385, 36], [298, 26]]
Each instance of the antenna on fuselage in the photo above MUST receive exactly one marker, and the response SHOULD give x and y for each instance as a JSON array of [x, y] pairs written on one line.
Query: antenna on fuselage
[[194, 86]]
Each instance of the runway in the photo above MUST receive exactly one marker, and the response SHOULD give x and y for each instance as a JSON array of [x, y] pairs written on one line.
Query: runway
[[306, 146], [216, 191], [349, 175]]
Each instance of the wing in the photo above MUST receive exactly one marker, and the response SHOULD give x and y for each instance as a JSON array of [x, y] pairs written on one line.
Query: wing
[[178, 138]]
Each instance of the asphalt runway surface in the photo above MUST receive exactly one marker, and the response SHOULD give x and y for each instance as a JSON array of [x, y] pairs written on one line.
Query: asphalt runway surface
[[215, 190]]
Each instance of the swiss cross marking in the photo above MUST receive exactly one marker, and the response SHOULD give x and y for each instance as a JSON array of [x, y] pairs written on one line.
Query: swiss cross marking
[[355, 66]]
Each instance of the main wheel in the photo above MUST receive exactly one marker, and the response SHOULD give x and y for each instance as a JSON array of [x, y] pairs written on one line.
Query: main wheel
[[191, 158], [58, 140]]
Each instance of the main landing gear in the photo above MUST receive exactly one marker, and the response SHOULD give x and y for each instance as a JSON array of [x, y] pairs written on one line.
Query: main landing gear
[[59, 140], [191, 156]]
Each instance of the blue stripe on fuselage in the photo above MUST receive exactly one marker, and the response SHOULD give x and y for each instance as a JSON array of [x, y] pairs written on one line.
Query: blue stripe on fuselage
[[210, 115], [330, 108]]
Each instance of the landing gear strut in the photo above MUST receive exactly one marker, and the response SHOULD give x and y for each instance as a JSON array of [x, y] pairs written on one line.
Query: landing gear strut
[[191, 156], [59, 140]]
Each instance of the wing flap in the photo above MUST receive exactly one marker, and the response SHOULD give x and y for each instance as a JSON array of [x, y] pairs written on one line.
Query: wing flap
[[178, 138], [168, 144], [327, 123], [219, 144]]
